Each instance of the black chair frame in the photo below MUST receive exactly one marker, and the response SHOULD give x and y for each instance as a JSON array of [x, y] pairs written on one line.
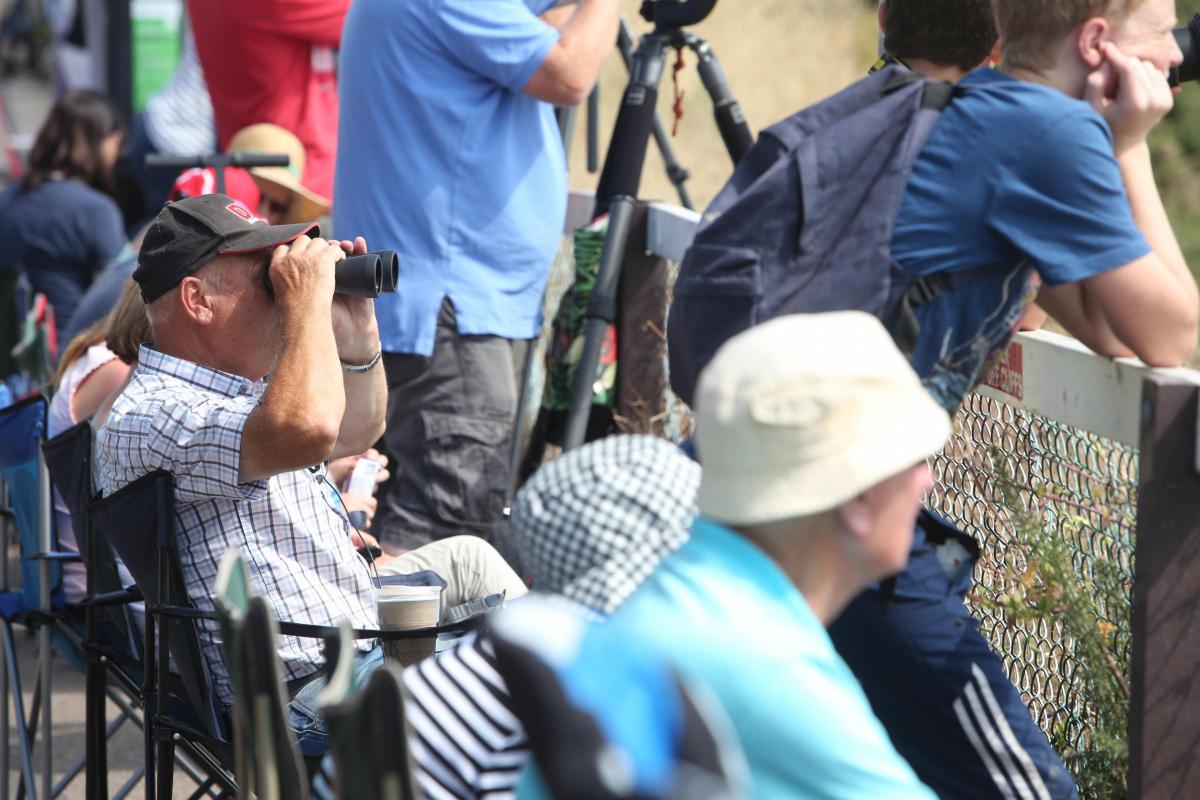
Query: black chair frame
[[181, 709]]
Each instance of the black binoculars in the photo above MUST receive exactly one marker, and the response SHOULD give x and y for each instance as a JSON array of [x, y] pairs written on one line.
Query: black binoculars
[[1188, 38], [367, 275]]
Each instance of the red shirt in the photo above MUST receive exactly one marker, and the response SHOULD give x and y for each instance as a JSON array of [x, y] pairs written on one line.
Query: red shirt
[[274, 61]]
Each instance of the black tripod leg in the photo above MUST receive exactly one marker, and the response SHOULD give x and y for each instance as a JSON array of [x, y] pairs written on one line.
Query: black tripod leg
[[601, 312], [622, 173], [593, 129], [731, 122], [676, 173]]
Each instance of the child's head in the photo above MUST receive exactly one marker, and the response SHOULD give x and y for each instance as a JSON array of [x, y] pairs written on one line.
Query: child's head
[[1032, 32], [950, 33]]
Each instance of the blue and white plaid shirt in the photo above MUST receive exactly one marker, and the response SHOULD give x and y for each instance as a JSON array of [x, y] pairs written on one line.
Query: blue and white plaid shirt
[[291, 529]]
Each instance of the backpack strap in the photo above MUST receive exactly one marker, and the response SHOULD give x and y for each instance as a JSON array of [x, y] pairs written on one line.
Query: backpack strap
[[936, 95], [907, 330]]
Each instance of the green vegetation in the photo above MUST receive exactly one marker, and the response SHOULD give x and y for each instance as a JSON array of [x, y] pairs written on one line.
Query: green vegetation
[[1044, 584]]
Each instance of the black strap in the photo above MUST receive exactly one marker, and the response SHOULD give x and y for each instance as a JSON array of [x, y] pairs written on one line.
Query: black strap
[[306, 631], [931, 287], [936, 95]]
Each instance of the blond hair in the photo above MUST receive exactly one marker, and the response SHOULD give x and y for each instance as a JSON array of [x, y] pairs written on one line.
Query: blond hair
[[1030, 30]]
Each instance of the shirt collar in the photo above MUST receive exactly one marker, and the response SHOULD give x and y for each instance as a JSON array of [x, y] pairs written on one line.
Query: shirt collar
[[152, 361]]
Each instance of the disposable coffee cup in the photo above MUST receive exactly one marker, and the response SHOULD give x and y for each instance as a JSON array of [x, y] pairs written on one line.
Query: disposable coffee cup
[[409, 608]]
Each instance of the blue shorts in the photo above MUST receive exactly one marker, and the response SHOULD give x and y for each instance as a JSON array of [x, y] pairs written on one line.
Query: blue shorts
[[940, 691]]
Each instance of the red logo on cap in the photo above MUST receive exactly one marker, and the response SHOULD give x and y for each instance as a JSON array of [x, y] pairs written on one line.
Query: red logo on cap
[[239, 210]]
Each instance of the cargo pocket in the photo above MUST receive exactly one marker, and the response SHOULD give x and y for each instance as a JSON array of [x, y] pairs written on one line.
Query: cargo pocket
[[467, 466]]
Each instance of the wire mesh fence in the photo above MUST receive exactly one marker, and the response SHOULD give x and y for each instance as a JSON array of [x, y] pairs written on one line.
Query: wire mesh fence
[[1081, 490]]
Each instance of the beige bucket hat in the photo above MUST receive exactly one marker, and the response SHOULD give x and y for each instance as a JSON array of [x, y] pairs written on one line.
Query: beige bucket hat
[[802, 413], [267, 138]]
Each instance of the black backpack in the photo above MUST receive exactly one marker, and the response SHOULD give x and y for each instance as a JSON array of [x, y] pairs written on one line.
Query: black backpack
[[805, 223]]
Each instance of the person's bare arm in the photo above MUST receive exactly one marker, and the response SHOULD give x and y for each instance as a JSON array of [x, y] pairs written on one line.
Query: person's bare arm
[[585, 40], [357, 335], [1150, 307], [97, 387], [296, 424]]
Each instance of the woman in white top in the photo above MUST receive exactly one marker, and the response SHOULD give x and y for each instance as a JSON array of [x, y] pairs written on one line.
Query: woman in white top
[[92, 370]]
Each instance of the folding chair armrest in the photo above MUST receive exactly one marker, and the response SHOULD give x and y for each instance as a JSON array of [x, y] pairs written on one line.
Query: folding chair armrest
[[56, 555], [182, 612], [127, 595], [305, 631]]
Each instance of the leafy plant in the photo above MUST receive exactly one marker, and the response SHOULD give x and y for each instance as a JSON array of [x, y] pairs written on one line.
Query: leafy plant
[[1043, 582]]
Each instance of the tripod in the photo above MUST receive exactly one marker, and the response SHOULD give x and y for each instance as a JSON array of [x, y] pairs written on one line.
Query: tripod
[[622, 174]]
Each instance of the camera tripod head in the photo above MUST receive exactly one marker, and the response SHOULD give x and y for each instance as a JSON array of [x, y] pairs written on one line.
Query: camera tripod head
[[672, 14]]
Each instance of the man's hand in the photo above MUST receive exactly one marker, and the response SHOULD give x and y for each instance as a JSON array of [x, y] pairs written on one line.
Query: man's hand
[[302, 272], [354, 325], [1131, 94], [361, 502]]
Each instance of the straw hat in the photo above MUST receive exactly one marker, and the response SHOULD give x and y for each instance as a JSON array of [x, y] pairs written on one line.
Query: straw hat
[[802, 413], [269, 139]]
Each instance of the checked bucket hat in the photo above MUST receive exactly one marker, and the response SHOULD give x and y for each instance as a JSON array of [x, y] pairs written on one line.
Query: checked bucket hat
[[593, 524]]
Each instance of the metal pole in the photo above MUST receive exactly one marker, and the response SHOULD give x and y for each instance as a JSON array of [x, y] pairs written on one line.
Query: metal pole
[[731, 121], [601, 312], [4, 718], [676, 173], [45, 509], [593, 129]]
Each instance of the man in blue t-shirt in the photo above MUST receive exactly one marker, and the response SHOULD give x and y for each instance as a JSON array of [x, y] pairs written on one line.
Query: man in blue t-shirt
[[1042, 170], [449, 154]]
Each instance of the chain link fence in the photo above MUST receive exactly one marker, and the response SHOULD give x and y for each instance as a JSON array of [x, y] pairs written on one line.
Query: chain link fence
[[1082, 490]]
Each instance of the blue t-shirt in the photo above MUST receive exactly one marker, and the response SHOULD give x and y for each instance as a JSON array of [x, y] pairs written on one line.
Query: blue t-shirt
[[1014, 172], [61, 233], [442, 158], [724, 614]]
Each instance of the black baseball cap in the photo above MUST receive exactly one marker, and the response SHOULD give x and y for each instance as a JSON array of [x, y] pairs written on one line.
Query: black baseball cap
[[189, 233]]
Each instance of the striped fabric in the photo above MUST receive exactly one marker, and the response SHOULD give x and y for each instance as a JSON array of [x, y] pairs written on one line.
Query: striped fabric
[[179, 117], [291, 529], [466, 742], [1008, 763]]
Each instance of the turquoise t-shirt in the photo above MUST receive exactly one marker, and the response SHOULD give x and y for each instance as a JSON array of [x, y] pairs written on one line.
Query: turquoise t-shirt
[[443, 158], [724, 614]]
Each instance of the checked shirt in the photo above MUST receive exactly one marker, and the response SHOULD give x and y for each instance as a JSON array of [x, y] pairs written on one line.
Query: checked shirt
[[188, 420]]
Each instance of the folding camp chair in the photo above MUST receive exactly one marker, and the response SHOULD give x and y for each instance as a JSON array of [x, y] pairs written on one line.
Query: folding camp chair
[[368, 731], [180, 708], [110, 650], [138, 523], [39, 603]]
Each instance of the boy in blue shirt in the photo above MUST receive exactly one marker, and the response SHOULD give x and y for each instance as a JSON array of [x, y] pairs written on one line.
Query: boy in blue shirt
[[1043, 170]]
